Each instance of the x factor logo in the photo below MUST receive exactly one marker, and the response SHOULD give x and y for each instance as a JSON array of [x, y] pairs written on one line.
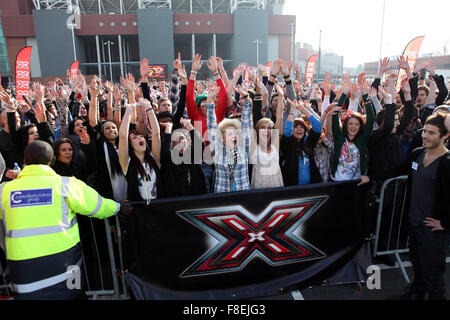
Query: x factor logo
[[274, 235]]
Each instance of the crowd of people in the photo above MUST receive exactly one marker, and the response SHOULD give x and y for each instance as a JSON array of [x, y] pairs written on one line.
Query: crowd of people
[[260, 128]]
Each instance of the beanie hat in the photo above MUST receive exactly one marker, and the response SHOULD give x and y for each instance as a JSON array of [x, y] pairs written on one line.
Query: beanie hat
[[199, 99]]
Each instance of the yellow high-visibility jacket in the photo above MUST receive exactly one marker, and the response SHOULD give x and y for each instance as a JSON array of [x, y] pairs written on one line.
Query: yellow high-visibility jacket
[[39, 209]]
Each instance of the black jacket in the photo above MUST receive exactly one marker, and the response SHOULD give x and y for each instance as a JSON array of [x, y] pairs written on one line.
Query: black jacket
[[385, 148], [9, 152], [184, 179], [289, 165], [442, 209]]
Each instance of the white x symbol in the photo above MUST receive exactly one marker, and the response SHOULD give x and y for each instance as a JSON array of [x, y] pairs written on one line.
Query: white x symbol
[[257, 236]]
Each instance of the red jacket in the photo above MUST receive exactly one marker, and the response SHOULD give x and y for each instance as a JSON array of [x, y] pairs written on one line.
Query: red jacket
[[193, 112]]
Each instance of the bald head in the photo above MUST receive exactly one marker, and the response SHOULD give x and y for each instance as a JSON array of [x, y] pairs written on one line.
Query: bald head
[[38, 152]]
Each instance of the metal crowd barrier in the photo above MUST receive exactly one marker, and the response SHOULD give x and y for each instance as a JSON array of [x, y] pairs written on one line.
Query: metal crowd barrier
[[395, 245], [117, 293]]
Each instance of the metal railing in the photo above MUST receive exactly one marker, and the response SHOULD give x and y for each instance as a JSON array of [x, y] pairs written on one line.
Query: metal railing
[[395, 245]]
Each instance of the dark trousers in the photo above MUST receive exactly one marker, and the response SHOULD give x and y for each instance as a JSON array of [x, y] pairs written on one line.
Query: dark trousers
[[428, 251]]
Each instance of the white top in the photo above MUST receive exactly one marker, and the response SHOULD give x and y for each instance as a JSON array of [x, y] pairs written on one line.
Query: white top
[[147, 188], [267, 163], [349, 159]]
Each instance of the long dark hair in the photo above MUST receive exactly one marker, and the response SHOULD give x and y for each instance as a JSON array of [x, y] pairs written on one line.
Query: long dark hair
[[56, 151], [22, 134], [133, 157], [302, 145], [116, 169], [71, 126]]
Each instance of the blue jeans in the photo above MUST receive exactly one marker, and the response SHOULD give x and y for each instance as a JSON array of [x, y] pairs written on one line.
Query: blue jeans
[[208, 172]]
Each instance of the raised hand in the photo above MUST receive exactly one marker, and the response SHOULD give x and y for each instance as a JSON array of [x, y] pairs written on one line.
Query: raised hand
[[197, 63], [429, 66], [276, 68], [353, 91], [182, 73], [144, 69], [38, 92], [212, 94], [220, 63], [94, 86], [284, 68], [292, 105], [242, 89], [240, 70], [177, 62], [251, 74], [405, 86], [64, 92], [419, 66], [6, 98], [326, 87], [403, 63], [384, 66], [262, 70], [290, 65], [23, 107], [373, 92], [117, 95], [109, 85], [84, 137], [262, 87], [51, 89], [212, 64], [128, 82], [279, 90], [364, 84], [346, 84], [361, 78], [186, 123]]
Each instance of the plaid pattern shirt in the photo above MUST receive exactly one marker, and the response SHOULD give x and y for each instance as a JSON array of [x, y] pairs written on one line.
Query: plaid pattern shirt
[[241, 178]]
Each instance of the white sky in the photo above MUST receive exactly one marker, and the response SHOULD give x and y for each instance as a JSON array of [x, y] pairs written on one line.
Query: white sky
[[352, 28]]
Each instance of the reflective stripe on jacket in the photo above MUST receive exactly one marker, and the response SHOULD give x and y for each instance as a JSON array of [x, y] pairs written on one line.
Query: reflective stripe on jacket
[[39, 209]]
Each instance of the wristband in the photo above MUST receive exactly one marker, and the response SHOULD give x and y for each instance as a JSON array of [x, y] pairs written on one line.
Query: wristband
[[273, 75], [149, 109], [288, 82], [193, 72], [245, 97], [286, 76], [270, 83]]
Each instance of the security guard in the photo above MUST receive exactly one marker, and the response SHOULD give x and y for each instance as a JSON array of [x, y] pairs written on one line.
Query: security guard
[[38, 210]]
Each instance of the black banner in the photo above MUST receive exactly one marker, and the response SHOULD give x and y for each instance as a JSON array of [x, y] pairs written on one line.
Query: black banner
[[243, 244]]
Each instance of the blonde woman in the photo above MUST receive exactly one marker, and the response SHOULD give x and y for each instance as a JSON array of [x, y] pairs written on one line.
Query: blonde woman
[[230, 144], [265, 158]]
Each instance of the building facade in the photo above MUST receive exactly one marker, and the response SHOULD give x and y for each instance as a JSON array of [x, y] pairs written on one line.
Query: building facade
[[110, 37]]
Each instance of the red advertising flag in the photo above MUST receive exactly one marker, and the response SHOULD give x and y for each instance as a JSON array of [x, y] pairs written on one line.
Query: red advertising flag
[[74, 67], [411, 52], [310, 67], [23, 69]]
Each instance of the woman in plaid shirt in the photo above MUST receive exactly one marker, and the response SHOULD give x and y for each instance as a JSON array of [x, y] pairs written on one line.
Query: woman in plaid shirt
[[230, 144]]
